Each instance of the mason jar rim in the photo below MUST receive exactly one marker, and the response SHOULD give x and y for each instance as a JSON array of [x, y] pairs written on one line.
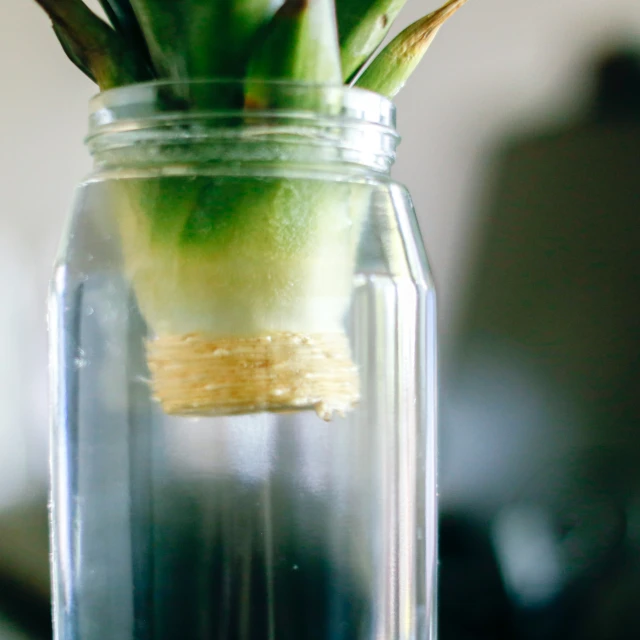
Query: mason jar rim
[[174, 112]]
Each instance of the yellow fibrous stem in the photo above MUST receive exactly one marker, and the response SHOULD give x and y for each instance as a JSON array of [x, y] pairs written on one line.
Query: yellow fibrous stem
[[197, 375]]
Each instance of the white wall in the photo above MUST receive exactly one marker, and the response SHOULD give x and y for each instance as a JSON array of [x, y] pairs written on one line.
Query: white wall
[[498, 65]]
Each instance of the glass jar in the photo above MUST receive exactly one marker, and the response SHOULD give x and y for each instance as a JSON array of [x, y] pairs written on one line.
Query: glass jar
[[243, 348]]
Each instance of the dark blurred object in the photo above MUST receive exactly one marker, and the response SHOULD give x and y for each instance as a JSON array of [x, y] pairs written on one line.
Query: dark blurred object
[[541, 425], [618, 89], [473, 601], [24, 570], [25, 611]]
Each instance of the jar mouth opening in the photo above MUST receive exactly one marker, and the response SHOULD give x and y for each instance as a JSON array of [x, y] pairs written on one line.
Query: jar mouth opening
[[228, 97]]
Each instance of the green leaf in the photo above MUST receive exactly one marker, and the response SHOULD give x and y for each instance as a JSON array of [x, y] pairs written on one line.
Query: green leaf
[[363, 25], [201, 38], [299, 44], [72, 53], [93, 45], [120, 14], [124, 21], [393, 66]]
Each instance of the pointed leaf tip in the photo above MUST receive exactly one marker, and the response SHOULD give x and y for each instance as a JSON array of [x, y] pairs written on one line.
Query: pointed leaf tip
[[393, 66]]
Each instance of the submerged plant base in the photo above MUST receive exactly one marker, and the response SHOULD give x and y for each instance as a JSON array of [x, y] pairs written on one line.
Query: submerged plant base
[[196, 374]]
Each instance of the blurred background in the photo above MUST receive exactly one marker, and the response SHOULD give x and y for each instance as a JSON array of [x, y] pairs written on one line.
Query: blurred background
[[522, 153]]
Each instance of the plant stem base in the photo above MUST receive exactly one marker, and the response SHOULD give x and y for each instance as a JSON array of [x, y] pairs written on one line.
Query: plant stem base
[[195, 374]]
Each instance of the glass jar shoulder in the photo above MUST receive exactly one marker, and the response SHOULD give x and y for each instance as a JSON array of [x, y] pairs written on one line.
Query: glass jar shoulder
[[391, 242], [200, 200]]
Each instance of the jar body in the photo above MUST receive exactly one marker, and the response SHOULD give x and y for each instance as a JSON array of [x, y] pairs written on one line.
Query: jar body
[[264, 525], [262, 522]]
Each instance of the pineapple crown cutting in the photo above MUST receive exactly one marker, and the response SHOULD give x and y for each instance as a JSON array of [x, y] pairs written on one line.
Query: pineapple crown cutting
[[315, 41]]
